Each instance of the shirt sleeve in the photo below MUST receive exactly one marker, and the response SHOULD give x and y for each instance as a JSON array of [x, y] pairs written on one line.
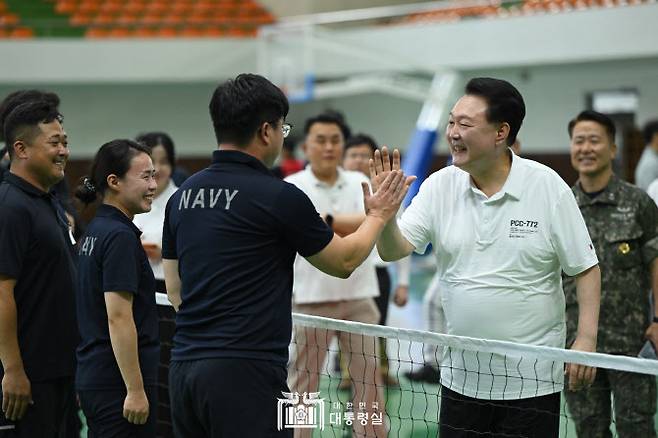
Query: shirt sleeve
[[14, 240], [416, 221], [168, 237], [301, 224], [120, 263], [570, 237], [648, 217]]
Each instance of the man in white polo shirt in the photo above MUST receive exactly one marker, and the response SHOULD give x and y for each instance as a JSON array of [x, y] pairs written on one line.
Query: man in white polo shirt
[[503, 228], [338, 196]]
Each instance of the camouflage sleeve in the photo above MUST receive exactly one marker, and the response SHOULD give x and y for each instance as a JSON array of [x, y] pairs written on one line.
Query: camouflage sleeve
[[648, 219]]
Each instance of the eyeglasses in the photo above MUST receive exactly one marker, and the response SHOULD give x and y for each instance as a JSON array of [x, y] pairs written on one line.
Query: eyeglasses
[[286, 128]]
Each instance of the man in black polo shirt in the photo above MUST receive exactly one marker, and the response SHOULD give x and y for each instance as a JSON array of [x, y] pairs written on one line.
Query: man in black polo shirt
[[37, 313], [231, 235]]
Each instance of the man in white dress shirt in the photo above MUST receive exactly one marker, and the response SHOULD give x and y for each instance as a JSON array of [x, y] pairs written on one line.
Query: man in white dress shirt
[[338, 196]]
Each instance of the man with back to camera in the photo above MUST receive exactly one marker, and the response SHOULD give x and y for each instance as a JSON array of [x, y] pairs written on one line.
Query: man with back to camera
[[503, 228], [230, 238], [623, 224], [647, 168], [38, 332]]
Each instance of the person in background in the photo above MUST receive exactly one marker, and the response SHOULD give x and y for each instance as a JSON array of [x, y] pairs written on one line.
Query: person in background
[[359, 149], [150, 223], [653, 190], [38, 332], [288, 163], [337, 194], [623, 223], [117, 316], [647, 168]]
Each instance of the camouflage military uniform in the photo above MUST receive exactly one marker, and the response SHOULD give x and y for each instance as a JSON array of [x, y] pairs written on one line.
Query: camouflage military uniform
[[623, 224]]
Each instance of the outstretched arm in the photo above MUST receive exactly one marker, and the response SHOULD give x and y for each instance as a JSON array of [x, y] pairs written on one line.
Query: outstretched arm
[[391, 244], [344, 254]]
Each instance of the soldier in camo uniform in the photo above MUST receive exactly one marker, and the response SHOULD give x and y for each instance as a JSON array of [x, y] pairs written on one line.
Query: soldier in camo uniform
[[623, 223]]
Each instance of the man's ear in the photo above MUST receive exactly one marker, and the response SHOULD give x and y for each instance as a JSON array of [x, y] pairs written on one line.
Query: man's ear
[[502, 133], [265, 133], [20, 150]]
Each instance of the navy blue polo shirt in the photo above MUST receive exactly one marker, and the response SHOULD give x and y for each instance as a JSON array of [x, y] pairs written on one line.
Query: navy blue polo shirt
[[35, 250], [111, 259], [235, 230]]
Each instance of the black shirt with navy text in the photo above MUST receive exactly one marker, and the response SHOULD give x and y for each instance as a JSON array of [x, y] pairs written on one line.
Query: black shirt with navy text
[[111, 259], [235, 230]]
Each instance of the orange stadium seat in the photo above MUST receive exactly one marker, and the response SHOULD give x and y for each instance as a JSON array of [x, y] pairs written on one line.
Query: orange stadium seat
[[66, 7], [8, 19], [166, 32], [96, 32], [144, 32], [119, 32], [80, 19]]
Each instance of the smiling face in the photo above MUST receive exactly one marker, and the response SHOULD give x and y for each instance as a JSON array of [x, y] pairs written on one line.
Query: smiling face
[[474, 142], [162, 166], [592, 151], [136, 189], [47, 154], [324, 147]]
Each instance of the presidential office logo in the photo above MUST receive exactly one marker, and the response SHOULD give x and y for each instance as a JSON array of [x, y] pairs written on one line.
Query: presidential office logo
[[522, 228], [293, 414]]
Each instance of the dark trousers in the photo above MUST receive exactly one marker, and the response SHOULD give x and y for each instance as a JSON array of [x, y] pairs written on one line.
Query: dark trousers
[[226, 398], [466, 417], [48, 416], [103, 410]]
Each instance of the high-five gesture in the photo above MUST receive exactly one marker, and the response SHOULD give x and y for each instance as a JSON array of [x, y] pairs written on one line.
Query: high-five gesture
[[385, 201], [381, 167], [387, 177]]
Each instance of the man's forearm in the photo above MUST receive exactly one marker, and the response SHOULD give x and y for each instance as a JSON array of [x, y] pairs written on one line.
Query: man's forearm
[[360, 244], [588, 287], [172, 281], [10, 353], [346, 224], [392, 245]]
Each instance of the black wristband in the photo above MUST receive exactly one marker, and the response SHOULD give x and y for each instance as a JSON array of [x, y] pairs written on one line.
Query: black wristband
[[655, 319], [329, 219]]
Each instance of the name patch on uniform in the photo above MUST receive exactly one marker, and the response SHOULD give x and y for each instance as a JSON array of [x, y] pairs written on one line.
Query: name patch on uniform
[[522, 228], [206, 198]]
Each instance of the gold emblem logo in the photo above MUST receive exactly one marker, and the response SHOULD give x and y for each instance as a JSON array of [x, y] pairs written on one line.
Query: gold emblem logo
[[624, 248]]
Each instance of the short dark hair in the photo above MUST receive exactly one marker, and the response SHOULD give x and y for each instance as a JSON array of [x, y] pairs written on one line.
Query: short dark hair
[[153, 139], [594, 116], [12, 100], [239, 106], [504, 103], [23, 121], [361, 139], [329, 116], [112, 158], [650, 129]]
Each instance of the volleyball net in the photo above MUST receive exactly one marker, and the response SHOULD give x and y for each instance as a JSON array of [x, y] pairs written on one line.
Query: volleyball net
[[348, 379]]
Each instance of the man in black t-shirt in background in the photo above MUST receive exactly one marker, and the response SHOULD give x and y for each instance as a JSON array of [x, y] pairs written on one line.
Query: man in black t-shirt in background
[[37, 313], [230, 238]]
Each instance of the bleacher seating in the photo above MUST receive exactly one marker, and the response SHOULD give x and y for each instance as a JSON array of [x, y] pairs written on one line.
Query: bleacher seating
[[515, 8], [142, 18]]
